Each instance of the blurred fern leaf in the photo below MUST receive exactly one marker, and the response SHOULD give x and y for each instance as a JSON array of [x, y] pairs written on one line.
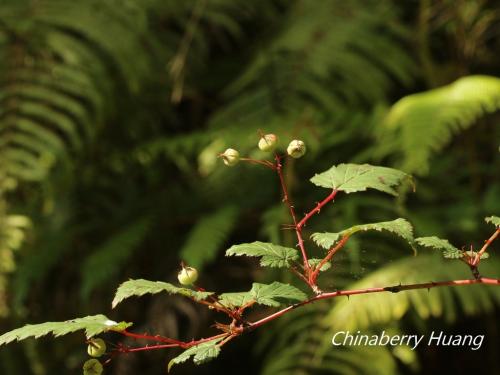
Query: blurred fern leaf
[[208, 235], [419, 125], [107, 259]]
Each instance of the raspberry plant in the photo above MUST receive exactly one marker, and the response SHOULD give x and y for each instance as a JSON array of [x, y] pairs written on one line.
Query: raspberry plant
[[339, 180]]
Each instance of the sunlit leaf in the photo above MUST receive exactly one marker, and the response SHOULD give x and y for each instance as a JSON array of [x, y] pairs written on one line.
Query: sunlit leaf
[[449, 251], [271, 255], [140, 287], [92, 325], [400, 227], [351, 178], [201, 353], [264, 294]]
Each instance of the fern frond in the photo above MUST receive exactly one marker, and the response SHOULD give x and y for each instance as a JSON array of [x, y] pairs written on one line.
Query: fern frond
[[318, 67], [13, 231], [108, 258], [420, 125], [207, 236]]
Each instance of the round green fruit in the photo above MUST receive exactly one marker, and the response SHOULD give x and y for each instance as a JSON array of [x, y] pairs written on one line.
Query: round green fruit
[[231, 157], [268, 142], [96, 348], [296, 149], [187, 276], [92, 367]]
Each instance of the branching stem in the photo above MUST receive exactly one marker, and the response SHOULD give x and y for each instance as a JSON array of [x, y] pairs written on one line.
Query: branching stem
[[327, 258], [392, 289], [308, 274], [485, 246], [317, 209], [287, 200]]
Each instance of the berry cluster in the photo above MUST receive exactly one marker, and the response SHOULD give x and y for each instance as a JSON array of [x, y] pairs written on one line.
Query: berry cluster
[[268, 143], [96, 348]]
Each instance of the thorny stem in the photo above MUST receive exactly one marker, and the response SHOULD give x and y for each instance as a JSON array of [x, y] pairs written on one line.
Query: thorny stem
[[309, 276], [299, 274], [156, 338], [329, 256], [215, 304], [316, 209], [485, 246], [173, 344], [298, 231], [124, 349], [326, 295], [392, 289]]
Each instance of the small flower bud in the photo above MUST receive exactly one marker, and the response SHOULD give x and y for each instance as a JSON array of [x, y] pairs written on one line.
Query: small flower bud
[[230, 157], [187, 275], [92, 367], [268, 142], [296, 149], [96, 348]]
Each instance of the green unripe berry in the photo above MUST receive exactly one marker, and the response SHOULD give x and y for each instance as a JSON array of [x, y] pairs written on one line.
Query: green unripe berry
[[268, 142], [296, 149], [230, 157], [187, 276], [96, 348], [92, 367]]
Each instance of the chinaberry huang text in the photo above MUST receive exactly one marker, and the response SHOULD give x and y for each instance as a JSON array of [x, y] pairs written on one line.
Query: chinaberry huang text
[[436, 338]]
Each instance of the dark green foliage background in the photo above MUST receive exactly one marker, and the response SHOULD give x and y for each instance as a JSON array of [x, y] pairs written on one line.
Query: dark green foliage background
[[112, 113]]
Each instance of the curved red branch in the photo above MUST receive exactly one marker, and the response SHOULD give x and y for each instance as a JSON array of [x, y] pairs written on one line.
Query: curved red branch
[[392, 289]]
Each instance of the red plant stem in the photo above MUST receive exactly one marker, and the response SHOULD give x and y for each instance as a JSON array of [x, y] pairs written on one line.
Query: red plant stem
[[200, 341], [215, 304], [286, 199], [265, 163], [299, 275], [156, 338], [316, 209], [328, 256], [485, 246], [175, 343], [147, 347], [252, 326], [392, 289], [228, 338]]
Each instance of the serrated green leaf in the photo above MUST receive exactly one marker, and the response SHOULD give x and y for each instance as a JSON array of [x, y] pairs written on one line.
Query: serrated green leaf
[[326, 239], [236, 299], [495, 220], [449, 251], [273, 294], [140, 287], [93, 325], [264, 294], [271, 255], [400, 227], [201, 353], [314, 262], [351, 178]]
